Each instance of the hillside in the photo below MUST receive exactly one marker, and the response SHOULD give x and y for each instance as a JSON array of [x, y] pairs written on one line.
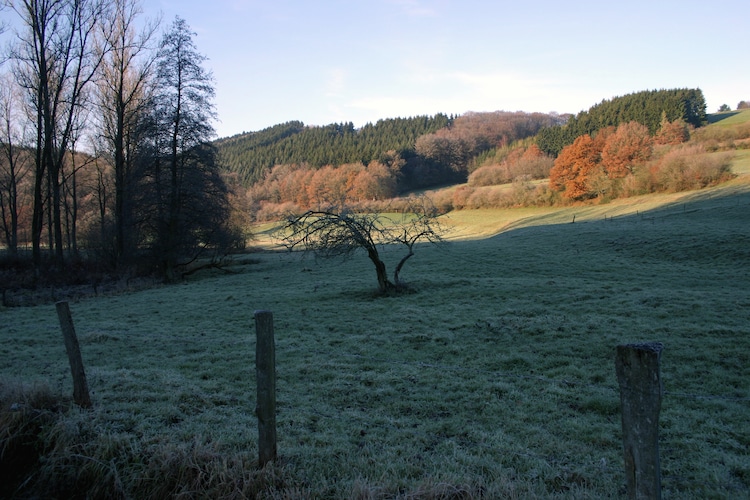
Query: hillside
[[440, 149], [427, 150], [725, 131], [253, 154]]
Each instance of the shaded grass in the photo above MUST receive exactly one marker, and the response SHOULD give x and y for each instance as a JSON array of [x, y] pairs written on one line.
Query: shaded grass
[[496, 379]]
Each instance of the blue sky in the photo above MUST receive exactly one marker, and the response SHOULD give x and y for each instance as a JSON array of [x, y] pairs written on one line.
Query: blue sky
[[325, 61]]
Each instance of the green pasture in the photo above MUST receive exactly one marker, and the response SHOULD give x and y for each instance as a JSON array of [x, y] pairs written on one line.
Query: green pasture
[[494, 379], [729, 118]]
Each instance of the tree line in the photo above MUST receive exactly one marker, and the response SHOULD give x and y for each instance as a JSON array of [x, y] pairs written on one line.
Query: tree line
[[445, 156], [430, 150], [649, 108], [106, 134], [253, 154]]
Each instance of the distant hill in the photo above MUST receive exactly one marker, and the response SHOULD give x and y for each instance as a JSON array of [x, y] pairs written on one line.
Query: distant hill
[[441, 149], [434, 150], [252, 154]]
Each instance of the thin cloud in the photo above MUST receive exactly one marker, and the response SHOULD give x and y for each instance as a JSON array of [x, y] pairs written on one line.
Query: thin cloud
[[336, 82], [415, 8]]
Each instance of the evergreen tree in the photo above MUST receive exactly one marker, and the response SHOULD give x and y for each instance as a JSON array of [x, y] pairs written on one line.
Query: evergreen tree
[[647, 108]]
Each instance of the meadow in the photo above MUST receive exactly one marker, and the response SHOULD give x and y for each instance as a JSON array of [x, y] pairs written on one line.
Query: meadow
[[495, 378]]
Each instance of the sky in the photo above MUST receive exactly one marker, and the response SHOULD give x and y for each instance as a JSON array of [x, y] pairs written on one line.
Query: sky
[[326, 61]]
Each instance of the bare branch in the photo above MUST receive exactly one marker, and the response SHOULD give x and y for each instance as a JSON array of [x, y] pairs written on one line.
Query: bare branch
[[330, 233]]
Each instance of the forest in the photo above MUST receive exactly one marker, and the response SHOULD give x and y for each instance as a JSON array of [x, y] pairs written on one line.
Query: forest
[[106, 134], [620, 147], [650, 108]]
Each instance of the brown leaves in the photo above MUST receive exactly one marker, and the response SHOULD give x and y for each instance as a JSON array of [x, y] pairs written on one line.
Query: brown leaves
[[582, 169]]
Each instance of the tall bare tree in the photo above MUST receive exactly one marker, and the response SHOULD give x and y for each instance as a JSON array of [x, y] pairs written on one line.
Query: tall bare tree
[[55, 63], [14, 160], [125, 91]]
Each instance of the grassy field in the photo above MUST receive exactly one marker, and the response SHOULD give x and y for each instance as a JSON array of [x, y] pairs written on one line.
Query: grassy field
[[495, 379]]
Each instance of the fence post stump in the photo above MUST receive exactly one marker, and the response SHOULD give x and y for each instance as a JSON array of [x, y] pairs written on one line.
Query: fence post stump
[[80, 386], [265, 369], [640, 383]]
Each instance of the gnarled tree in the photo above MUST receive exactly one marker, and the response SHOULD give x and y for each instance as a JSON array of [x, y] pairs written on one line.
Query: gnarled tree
[[340, 233]]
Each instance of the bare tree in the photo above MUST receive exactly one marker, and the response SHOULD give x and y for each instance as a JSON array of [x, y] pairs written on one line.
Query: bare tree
[[14, 162], [340, 233], [56, 61], [124, 98]]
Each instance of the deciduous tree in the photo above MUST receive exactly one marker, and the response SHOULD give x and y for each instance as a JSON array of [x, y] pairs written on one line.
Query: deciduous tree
[[340, 233], [55, 63], [575, 165], [672, 132], [15, 161], [124, 97], [628, 146]]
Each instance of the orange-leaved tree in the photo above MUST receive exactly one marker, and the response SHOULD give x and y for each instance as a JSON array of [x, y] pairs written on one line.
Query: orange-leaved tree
[[675, 132], [630, 145], [575, 167]]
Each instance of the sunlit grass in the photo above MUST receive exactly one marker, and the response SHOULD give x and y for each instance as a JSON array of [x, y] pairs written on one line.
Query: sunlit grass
[[730, 118]]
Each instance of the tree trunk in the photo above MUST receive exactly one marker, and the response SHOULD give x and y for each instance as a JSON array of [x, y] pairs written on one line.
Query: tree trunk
[[401, 263], [383, 284]]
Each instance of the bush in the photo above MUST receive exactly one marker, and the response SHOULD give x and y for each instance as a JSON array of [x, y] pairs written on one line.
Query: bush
[[275, 211], [525, 168], [443, 200], [690, 167]]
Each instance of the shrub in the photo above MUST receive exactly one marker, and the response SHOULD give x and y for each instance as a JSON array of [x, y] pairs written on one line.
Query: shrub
[[528, 166], [461, 197], [442, 199], [689, 168], [490, 175], [275, 211]]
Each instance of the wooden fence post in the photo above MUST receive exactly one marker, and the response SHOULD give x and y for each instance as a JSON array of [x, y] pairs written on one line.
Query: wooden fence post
[[80, 386], [265, 369], [640, 382]]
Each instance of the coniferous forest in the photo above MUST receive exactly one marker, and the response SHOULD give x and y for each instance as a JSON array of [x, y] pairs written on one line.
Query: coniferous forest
[[648, 108]]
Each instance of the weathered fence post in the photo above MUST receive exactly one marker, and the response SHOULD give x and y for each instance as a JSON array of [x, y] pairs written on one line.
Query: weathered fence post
[[640, 382], [80, 387], [265, 368]]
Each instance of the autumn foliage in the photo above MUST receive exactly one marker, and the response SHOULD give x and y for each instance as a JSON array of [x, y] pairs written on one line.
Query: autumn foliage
[[294, 187], [586, 168], [675, 132], [628, 146], [519, 164], [577, 167]]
